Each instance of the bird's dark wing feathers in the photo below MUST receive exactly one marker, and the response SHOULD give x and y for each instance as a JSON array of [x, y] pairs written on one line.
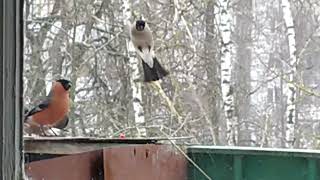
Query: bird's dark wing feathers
[[40, 107]]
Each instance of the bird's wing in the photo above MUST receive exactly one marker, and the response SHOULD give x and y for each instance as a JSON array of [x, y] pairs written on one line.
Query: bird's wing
[[40, 107], [146, 55]]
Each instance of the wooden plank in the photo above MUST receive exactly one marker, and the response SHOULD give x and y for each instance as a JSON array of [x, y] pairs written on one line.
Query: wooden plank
[[11, 89], [57, 147], [72, 145], [97, 139]]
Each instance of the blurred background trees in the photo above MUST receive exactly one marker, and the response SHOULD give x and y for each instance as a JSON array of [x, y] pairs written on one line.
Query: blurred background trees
[[85, 41]]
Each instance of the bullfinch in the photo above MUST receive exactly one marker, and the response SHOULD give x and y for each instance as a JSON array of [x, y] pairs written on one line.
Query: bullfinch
[[142, 40], [36, 129], [52, 112]]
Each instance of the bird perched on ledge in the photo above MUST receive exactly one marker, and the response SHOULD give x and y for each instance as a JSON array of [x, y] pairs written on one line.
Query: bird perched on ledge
[[52, 112], [142, 40]]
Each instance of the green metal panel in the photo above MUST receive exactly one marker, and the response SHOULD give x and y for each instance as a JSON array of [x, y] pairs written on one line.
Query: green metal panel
[[217, 166], [223, 163], [274, 168]]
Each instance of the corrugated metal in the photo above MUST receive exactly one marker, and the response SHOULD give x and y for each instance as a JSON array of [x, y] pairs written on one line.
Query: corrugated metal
[[84, 166], [144, 162]]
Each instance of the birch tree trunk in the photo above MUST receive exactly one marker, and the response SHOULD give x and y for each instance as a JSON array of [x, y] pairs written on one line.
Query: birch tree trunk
[[291, 89], [134, 78], [226, 66]]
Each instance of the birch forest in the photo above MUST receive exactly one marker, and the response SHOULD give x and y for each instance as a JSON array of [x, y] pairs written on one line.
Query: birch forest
[[243, 73]]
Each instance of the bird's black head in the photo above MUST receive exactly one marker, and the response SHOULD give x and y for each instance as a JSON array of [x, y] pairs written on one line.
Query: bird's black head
[[140, 25], [65, 83]]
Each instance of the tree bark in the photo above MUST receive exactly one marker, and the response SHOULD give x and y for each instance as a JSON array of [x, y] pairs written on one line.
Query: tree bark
[[242, 68], [291, 116], [212, 68], [226, 66]]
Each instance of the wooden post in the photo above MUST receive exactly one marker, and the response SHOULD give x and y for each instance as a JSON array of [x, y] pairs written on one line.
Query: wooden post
[[11, 65]]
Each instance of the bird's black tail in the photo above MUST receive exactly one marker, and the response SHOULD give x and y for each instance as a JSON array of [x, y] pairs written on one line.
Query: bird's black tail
[[155, 73], [63, 123]]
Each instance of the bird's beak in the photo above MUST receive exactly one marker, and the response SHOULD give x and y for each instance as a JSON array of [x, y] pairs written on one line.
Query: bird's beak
[[140, 28]]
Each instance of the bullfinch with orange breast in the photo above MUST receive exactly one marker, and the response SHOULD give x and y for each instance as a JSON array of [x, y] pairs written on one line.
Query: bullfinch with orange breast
[[52, 112], [142, 40]]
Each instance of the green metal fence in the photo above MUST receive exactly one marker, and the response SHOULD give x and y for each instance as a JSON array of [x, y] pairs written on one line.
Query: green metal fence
[[240, 163]]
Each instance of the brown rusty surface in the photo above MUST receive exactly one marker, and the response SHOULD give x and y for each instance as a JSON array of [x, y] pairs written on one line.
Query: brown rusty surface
[[144, 162], [84, 166]]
